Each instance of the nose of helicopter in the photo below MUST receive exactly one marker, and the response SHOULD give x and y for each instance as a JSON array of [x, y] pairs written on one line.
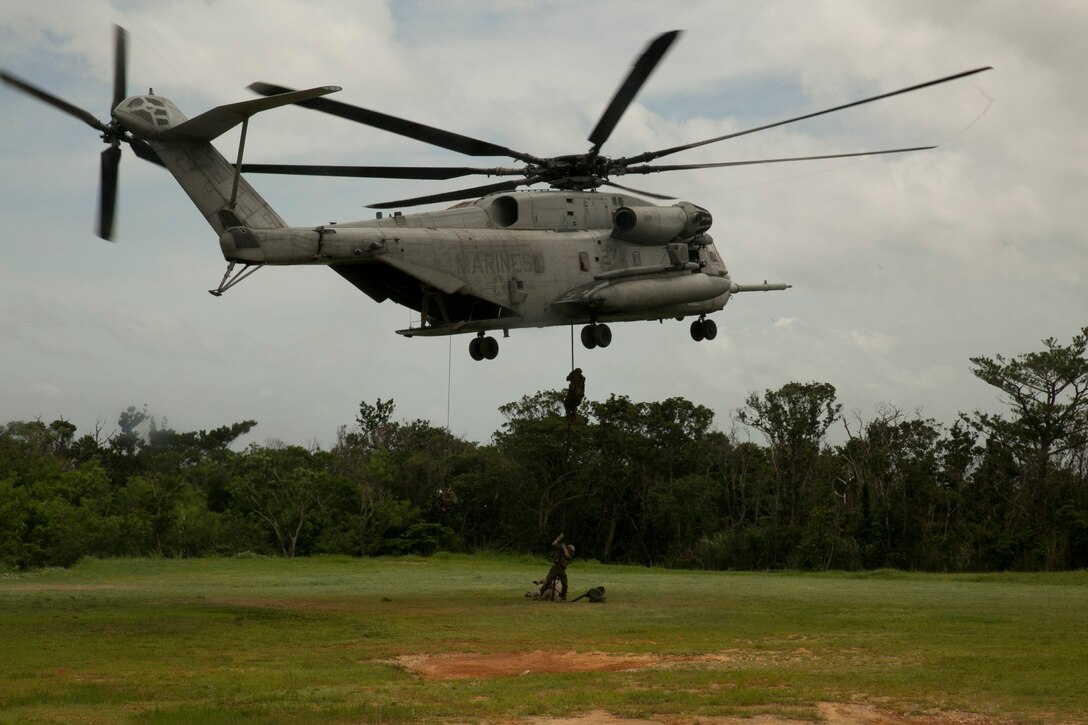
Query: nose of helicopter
[[148, 116]]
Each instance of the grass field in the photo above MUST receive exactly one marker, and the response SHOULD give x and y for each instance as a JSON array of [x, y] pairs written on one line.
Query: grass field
[[337, 640]]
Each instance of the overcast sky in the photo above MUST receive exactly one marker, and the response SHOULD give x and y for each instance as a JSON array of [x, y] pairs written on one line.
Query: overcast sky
[[902, 266]]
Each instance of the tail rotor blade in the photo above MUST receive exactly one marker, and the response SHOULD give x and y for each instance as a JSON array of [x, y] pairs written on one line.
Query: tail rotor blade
[[55, 102], [120, 65], [107, 191], [112, 131]]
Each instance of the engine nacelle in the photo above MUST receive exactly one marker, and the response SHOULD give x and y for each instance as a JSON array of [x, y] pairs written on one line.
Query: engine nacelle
[[655, 225]]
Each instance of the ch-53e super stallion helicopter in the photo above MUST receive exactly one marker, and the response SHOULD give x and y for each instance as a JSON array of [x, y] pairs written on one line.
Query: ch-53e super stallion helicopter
[[510, 259]]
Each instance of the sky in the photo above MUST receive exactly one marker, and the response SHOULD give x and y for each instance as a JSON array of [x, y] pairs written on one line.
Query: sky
[[903, 267]]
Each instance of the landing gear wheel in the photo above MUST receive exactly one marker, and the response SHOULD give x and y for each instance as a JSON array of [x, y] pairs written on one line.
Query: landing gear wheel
[[474, 348], [703, 329], [489, 346], [589, 337], [602, 335]]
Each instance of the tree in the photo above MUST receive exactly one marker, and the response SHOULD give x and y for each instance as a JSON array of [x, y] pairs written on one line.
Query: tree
[[794, 419], [652, 456], [1036, 457], [194, 447], [1048, 394], [894, 470], [548, 454], [480, 504], [376, 427], [280, 488]]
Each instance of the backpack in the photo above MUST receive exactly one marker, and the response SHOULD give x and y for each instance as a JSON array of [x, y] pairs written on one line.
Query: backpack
[[595, 595]]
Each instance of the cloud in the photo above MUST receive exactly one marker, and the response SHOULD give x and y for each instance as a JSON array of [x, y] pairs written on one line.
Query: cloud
[[903, 266], [48, 389]]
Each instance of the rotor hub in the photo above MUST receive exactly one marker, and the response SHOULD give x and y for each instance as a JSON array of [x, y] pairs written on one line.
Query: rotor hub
[[576, 172]]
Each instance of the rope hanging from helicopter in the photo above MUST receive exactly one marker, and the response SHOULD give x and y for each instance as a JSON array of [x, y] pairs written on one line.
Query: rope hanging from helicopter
[[576, 392]]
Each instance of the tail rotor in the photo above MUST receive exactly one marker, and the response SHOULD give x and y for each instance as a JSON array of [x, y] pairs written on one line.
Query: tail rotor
[[112, 132]]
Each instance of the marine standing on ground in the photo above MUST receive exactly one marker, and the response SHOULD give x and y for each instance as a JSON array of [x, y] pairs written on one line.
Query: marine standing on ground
[[563, 554]]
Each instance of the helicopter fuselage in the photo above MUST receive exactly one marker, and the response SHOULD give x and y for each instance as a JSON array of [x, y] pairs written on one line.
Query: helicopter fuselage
[[516, 259], [507, 260]]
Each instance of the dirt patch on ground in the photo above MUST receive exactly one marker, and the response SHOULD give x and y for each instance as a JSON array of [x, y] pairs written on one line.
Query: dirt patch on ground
[[502, 664], [469, 665], [483, 666], [454, 666], [830, 713], [46, 587]]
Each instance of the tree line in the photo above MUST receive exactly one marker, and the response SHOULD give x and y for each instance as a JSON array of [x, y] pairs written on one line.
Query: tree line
[[654, 483]]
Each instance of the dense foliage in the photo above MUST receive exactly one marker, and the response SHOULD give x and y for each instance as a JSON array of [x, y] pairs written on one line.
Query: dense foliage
[[651, 482]]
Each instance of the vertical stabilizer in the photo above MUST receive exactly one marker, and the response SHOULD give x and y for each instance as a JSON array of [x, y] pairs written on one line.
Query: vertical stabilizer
[[209, 180], [184, 146]]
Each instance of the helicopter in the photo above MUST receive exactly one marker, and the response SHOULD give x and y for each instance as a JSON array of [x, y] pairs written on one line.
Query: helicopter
[[586, 251]]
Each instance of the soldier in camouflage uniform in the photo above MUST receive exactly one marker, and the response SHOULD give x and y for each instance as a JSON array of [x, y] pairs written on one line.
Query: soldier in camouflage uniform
[[576, 392], [562, 557]]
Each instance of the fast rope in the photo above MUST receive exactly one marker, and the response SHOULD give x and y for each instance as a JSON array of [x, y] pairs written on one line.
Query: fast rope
[[449, 389], [576, 391]]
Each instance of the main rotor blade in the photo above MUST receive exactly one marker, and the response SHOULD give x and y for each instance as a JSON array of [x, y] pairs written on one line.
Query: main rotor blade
[[120, 65], [651, 155], [47, 97], [630, 87], [107, 191], [379, 172], [427, 134], [640, 192], [475, 191], [681, 167]]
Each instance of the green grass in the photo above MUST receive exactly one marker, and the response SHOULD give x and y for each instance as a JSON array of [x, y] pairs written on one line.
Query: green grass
[[273, 641]]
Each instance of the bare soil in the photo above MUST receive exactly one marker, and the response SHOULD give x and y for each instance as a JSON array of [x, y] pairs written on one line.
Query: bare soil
[[483, 666], [832, 713]]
